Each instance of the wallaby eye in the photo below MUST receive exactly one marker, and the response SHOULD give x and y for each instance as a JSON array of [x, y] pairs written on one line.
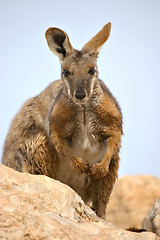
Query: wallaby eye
[[91, 71], [66, 73]]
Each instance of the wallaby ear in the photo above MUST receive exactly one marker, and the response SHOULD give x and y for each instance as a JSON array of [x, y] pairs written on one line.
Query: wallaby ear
[[58, 42], [98, 40]]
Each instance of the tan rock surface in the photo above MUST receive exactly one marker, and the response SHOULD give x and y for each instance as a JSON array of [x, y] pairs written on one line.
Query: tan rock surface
[[151, 222], [37, 207], [131, 199]]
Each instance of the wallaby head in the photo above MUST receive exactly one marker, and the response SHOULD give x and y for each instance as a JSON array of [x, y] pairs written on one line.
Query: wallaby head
[[78, 68]]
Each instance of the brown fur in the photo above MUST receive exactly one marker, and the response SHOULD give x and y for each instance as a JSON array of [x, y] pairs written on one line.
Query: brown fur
[[72, 130]]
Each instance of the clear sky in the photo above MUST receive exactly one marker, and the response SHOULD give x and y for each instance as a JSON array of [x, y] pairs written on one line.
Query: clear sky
[[129, 63]]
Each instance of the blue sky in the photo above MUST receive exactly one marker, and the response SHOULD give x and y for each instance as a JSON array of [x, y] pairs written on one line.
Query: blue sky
[[129, 63]]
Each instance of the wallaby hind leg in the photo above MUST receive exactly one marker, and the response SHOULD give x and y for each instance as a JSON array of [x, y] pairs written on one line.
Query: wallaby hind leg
[[38, 156], [102, 188]]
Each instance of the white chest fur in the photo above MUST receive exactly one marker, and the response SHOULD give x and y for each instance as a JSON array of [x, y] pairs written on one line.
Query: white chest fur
[[86, 145]]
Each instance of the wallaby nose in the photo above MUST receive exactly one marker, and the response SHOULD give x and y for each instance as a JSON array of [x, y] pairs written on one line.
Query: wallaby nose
[[80, 94]]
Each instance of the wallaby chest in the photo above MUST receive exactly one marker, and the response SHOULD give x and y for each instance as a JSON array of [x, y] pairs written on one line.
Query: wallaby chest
[[86, 141]]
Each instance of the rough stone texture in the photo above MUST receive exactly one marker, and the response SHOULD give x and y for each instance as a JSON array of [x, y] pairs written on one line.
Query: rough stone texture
[[151, 222], [131, 199], [37, 207]]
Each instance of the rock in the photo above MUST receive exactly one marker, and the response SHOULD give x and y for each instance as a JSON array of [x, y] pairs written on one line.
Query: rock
[[36, 207], [131, 199], [151, 222]]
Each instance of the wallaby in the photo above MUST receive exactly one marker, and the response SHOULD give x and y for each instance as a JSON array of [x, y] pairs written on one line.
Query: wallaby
[[72, 130]]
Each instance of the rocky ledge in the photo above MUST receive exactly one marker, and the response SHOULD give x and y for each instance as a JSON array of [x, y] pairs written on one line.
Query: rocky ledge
[[37, 207]]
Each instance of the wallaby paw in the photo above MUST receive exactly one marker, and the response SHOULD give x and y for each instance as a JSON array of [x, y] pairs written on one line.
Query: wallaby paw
[[80, 165], [97, 171]]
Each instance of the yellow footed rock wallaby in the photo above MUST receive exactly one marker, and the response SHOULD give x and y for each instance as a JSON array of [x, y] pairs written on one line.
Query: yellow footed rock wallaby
[[72, 130]]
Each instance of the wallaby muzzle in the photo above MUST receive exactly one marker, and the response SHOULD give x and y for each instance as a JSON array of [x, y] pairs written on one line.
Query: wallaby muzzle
[[80, 94]]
